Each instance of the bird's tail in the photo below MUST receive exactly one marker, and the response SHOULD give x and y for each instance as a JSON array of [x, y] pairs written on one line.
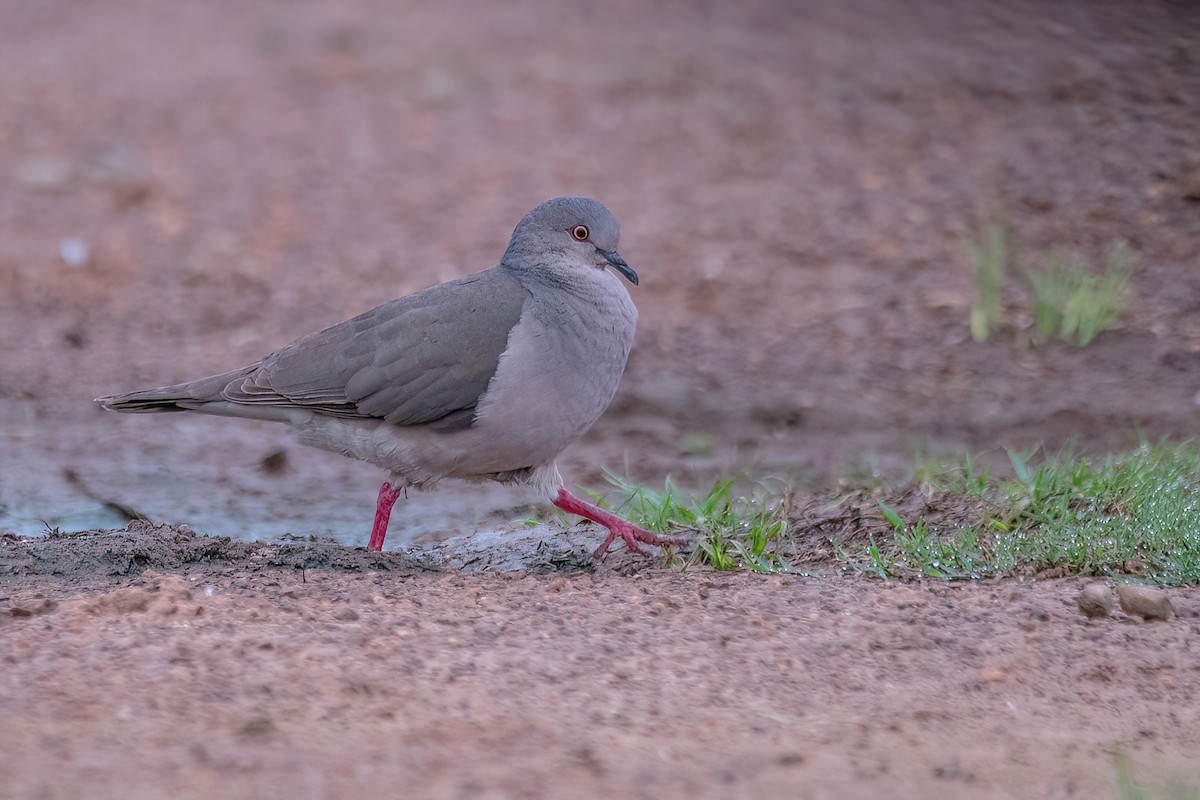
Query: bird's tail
[[190, 396]]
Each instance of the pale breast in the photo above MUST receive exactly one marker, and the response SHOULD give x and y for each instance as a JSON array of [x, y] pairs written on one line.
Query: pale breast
[[562, 367]]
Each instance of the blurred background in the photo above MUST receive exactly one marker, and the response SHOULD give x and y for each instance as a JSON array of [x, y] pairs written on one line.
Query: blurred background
[[868, 232]]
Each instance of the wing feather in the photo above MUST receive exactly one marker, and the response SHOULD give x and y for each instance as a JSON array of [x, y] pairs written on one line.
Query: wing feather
[[414, 361]]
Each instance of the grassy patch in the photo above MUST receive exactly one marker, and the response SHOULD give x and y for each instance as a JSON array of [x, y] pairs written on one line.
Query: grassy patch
[[1074, 301], [1129, 788], [1136, 514], [1071, 298], [989, 261], [733, 531]]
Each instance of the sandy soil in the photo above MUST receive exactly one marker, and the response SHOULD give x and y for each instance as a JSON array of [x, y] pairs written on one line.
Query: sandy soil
[[225, 669], [188, 186]]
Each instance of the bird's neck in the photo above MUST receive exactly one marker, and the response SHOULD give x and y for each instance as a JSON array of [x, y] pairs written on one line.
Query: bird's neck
[[553, 269]]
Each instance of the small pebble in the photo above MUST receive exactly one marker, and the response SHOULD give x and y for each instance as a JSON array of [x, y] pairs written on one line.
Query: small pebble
[[73, 251], [1146, 602], [1095, 600]]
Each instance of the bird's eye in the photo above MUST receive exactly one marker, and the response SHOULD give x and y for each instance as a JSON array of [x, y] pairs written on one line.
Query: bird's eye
[[581, 232]]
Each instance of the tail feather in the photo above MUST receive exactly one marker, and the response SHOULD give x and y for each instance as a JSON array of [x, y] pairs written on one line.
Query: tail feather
[[190, 396]]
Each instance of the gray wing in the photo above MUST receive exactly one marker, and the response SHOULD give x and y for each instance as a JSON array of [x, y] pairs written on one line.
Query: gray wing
[[426, 358]]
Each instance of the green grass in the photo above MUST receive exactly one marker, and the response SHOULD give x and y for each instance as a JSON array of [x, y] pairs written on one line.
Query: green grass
[[733, 531], [1129, 788], [1071, 299], [1074, 301], [919, 549], [989, 261], [1135, 515], [969, 477]]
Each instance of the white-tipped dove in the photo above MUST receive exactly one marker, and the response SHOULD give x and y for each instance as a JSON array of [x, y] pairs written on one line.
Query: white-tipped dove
[[488, 376]]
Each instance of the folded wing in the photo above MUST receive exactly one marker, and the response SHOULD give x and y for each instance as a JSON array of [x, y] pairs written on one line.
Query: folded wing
[[425, 359]]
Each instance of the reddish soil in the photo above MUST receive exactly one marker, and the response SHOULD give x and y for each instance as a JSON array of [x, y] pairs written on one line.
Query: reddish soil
[[188, 186], [239, 674]]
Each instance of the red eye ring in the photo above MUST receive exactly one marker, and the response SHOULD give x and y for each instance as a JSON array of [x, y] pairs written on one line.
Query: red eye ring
[[581, 233]]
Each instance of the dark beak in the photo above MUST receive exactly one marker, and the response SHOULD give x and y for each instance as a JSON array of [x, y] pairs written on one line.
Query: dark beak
[[618, 263]]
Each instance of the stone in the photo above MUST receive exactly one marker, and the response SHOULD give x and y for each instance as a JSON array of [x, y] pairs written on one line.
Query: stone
[[1095, 600], [1145, 602]]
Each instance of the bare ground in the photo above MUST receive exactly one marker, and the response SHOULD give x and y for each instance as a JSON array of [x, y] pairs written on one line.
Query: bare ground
[[225, 669], [186, 187]]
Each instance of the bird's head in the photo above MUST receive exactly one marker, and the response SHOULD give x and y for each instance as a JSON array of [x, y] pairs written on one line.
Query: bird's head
[[575, 232]]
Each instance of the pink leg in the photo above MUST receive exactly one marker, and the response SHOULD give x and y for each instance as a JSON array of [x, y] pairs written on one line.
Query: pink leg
[[383, 512], [632, 534]]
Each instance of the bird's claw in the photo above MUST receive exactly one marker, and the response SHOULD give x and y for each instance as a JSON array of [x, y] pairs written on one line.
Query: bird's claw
[[632, 534]]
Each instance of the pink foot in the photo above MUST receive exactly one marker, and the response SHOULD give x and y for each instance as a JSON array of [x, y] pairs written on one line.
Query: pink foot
[[630, 533], [383, 512]]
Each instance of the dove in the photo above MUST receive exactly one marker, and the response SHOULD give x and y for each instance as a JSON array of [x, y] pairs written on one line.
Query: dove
[[487, 377]]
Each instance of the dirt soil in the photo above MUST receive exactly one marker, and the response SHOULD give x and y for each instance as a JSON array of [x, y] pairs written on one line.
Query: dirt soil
[[160, 664], [185, 187]]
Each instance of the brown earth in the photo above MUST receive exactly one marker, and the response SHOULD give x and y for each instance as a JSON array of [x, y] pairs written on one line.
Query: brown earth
[[231, 669], [184, 187]]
